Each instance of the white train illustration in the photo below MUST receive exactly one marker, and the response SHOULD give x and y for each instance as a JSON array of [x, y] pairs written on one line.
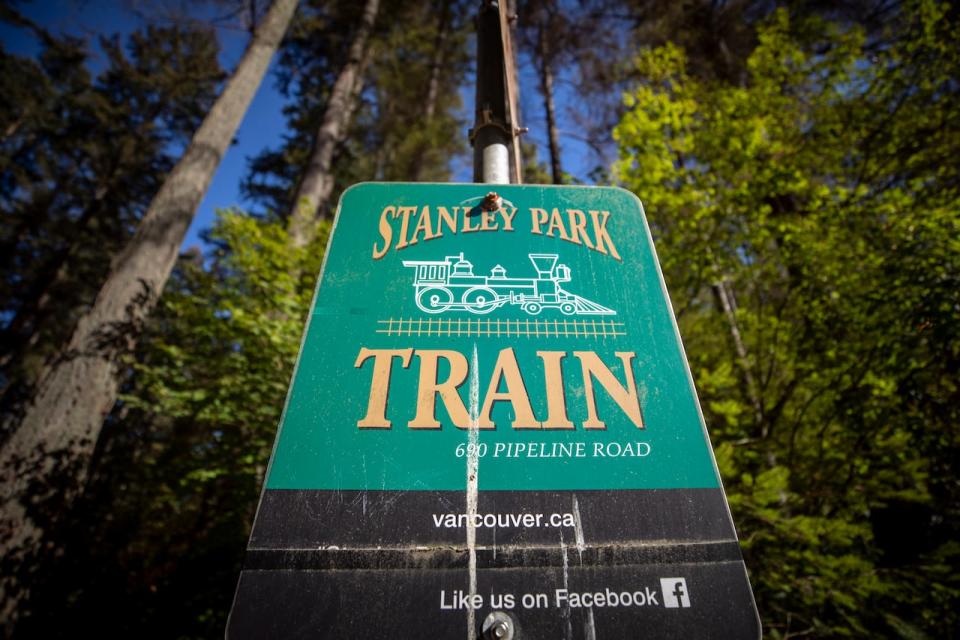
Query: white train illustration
[[450, 285]]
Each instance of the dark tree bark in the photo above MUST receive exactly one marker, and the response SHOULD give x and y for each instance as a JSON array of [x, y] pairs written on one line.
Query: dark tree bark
[[727, 305], [310, 200], [45, 460], [433, 83], [546, 88]]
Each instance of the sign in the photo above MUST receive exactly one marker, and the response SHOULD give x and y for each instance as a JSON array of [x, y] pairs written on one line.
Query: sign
[[492, 429]]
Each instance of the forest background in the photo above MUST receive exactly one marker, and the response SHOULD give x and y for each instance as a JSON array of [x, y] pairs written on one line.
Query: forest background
[[797, 162]]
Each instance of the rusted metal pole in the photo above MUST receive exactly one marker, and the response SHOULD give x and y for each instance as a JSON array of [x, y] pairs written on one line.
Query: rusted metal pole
[[496, 149]]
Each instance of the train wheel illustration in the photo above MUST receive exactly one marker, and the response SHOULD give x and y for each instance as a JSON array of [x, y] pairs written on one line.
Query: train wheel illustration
[[434, 300], [568, 308], [480, 300], [533, 308]]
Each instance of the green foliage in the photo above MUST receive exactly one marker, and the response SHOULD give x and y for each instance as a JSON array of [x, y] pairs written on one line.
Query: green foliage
[[813, 184], [242, 319], [80, 159], [823, 193], [401, 130], [409, 139], [217, 368], [534, 171], [175, 486]]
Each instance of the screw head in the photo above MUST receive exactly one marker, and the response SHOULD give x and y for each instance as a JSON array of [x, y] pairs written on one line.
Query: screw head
[[498, 626], [491, 202]]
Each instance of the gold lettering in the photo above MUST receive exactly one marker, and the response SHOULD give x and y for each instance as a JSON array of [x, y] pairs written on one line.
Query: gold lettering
[[386, 232], [553, 383], [488, 221], [406, 212], [601, 237], [516, 394], [376, 417], [508, 218], [537, 218], [418, 225], [578, 224], [556, 222], [423, 224], [625, 396], [448, 219], [428, 388], [466, 228]]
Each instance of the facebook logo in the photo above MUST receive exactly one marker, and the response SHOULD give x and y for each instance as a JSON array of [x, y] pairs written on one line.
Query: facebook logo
[[675, 593]]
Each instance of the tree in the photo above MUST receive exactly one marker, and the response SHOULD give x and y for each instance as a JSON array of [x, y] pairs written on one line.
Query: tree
[[717, 38], [164, 521], [439, 61], [82, 160], [410, 130], [388, 137], [316, 182], [545, 31], [816, 189], [48, 453]]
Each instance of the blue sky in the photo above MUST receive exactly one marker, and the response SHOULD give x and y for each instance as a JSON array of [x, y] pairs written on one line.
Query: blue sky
[[263, 126]]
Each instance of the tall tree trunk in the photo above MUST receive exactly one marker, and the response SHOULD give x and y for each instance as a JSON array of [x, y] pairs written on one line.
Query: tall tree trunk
[[436, 61], [728, 307], [309, 202], [546, 88], [433, 83], [44, 463]]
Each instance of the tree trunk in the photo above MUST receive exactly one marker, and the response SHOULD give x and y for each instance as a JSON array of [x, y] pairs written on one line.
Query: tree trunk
[[728, 306], [436, 62], [309, 202], [546, 88], [44, 463], [433, 83]]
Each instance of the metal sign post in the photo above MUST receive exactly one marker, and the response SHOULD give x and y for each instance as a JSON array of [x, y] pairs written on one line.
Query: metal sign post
[[496, 146], [492, 432]]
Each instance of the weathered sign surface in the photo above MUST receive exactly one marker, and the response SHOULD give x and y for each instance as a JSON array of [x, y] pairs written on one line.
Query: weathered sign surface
[[492, 412]]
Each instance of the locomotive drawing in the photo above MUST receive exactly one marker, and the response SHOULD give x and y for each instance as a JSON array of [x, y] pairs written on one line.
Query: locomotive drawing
[[451, 285]]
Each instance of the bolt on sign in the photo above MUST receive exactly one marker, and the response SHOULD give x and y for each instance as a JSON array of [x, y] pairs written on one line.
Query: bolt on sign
[[492, 431]]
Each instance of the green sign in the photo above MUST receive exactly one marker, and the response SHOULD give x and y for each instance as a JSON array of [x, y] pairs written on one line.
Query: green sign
[[492, 422], [533, 339]]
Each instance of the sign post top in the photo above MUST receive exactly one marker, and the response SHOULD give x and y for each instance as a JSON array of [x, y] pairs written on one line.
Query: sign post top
[[495, 133]]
